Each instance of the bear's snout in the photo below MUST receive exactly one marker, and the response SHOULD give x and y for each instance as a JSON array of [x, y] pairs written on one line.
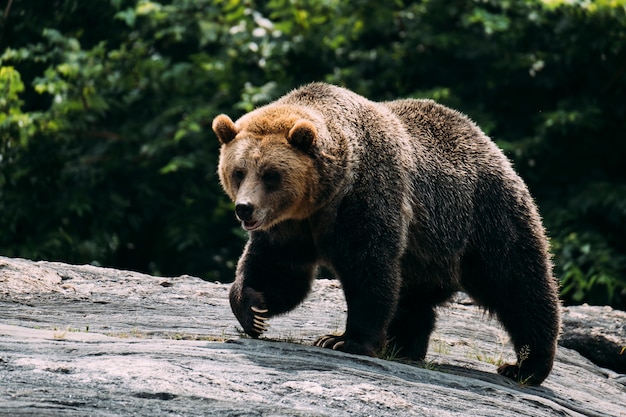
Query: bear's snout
[[246, 214], [244, 211]]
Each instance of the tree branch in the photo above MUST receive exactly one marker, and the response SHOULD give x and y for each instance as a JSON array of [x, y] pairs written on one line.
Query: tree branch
[[7, 9]]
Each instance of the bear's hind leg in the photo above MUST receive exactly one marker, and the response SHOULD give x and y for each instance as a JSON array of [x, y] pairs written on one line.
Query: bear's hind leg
[[521, 291]]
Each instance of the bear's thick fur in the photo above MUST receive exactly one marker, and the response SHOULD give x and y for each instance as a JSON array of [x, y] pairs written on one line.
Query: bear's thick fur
[[406, 201]]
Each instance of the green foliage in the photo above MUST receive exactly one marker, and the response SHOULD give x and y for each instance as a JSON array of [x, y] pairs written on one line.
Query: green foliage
[[106, 151], [588, 267], [116, 168]]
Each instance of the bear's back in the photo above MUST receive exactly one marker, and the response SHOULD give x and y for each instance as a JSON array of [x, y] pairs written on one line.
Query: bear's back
[[321, 96], [449, 138]]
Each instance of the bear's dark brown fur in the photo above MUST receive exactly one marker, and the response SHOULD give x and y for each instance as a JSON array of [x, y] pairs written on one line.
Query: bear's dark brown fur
[[406, 201]]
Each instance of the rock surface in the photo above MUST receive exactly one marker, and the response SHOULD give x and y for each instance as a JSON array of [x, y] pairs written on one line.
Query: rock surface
[[81, 340], [598, 333]]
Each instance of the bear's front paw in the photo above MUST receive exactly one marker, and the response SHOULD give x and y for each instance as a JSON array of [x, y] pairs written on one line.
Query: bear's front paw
[[259, 319], [249, 308], [344, 344]]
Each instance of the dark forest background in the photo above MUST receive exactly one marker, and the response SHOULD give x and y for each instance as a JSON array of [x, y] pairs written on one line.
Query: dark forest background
[[106, 152]]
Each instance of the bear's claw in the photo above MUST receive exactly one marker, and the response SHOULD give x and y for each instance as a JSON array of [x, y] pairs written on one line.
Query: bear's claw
[[338, 345], [522, 376], [258, 323], [345, 344], [328, 341]]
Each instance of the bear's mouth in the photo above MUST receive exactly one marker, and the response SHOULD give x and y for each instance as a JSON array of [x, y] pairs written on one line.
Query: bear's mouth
[[251, 225]]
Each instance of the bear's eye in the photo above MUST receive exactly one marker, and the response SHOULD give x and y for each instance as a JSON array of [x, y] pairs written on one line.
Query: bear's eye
[[238, 176], [271, 179]]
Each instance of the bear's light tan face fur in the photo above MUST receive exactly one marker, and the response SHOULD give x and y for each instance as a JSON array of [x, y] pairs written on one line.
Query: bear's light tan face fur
[[265, 172]]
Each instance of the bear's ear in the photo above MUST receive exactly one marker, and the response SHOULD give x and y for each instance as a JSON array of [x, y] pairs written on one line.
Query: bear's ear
[[224, 128], [302, 135]]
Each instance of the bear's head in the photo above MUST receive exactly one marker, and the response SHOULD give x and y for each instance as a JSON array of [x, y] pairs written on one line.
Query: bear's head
[[266, 166]]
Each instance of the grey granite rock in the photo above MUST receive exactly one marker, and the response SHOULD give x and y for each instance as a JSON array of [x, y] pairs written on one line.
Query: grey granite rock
[[87, 341], [598, 333]]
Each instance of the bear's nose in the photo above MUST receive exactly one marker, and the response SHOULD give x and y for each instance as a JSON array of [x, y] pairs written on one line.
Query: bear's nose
[[244, 211]]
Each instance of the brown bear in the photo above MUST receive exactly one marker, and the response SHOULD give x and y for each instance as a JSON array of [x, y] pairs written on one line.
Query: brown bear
[[405, 201]]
